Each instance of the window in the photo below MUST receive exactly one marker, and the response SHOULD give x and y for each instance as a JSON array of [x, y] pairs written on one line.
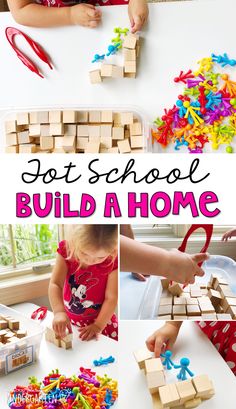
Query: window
[[24, 246]]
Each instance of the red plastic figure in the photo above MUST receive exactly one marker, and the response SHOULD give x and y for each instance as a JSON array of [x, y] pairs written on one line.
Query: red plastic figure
[[184, 77]]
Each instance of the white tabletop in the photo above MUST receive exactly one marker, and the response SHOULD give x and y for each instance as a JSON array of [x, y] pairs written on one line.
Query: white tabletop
[[68, 361], [191, 343], [177, 36]]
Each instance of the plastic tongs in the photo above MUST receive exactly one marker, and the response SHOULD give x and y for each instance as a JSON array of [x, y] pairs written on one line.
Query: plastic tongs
[[208, 230], [42, 311], [11, 32]]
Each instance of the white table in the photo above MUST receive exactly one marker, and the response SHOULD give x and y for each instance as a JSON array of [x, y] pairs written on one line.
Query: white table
[[191, 343], [51, 357], [177, 36]]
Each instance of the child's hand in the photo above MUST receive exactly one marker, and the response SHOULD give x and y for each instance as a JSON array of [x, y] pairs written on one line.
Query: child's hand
[[85, 15], [140, 277], [89, 332], [228, 235], [184, 267], [164, 338], [138, 14], [60, 324]]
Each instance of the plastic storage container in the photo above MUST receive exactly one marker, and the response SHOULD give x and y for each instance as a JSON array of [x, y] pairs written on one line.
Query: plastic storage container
[[24, 351]]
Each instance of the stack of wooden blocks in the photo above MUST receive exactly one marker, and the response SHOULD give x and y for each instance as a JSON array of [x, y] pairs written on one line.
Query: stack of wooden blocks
[[65, 343], [182, 395], [10, 331], [131, 50], [211, 301], [74, 132]]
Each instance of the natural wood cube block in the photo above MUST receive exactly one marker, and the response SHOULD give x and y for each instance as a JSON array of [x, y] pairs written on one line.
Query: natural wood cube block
[[10, 126], [117, 118], [129, 54], [213, 277], [193, 310], [126, 118], [215, 297], [186, 391], [136, 129], [155, 380], [58, 142], [56, 129], [219, 281], [82, 117], [225, 291], [22, 118], [93, 147], [153, 365], [106, 70], [209, 317], [118, 132], [34, 130], [166, 301], [130, 67], [227, 302], [106, 131], [14, 325], [12, 149], [117, 71], [141, 355], [106, 142], [165, 310], [130, 75], [169, 395], [69, 117], [69, 143], [70, 130], [165, 283], [136, 141], [27, 148], [113, 150], [175, 289], [124, 146], [107, 117], [206, 308], [11, 139], [94, 131], [203, 386], [232, 311], [45, 130], [192, 301], [46, 142], [179, 310], [94, 116], [130, 41], [23, 137], [82, 143], [55, 117], [224, 317], [193, 403], [165, 318], [66, 344], [3, 325], [180, 301], [95, 77], [21, 333], [82, 131]]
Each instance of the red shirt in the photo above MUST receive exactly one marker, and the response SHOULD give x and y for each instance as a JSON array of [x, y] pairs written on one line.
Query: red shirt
[[84, 288]]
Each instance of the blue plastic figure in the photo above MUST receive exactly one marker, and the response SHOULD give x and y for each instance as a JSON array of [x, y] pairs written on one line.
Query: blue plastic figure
[[112, 49], [98, 57], [108, 398], [167, 361], [104, 361], [182, 109], [184, 363], [223, 60], [179, 143]]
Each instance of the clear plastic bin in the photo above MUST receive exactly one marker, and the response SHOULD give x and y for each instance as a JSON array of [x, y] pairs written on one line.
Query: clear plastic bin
[[24, 351]]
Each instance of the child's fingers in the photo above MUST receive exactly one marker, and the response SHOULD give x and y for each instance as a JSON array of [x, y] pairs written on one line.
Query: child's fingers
[[69, 327], [93, 14], [139, 276], [200, 257], [138, 23], [158, 345], [150, 343], [93, 24]]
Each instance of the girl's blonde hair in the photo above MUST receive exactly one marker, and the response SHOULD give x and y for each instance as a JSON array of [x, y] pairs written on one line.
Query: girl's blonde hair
[[97, 236]]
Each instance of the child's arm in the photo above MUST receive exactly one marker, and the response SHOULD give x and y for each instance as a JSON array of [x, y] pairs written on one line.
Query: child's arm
[[107, 310], [29, 13], [138, 14], [229, 234], [145, 259], [61, 321], [164, 338], [126, 230]]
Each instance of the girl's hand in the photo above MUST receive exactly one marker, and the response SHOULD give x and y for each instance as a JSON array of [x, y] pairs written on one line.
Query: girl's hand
[[164, 338], [60, 324], [85, 15], [184, 267], [138, 14], [228, 235], [89, 332]]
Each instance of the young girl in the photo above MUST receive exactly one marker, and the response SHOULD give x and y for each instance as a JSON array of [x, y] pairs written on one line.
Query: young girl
[[73, 12], [83, 287], [221, 333]]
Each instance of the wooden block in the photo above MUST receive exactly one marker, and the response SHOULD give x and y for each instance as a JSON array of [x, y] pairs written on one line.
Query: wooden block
[[118, 132], [106, 131], [155, 380], [58, 150], [14, 325], [106, 70], [130, 67], [11, 139], [209, 317], [69, 117], [107, 117], [3, 324], [27, 148], [136, 141], [232, 311], [21, 333], [186, 391], [141, 356], [193, 310], [180, 301], [10, 126], [223, 317], [207, 308], [166, 301], [156, 402], [129, 75], [66, 344], [195, 291], [129, 54], [186, 295], [204, 291], [82, 117], [124, 146], [58, 143], [165, 283], [130, 41], [82, 143], [95, 77], [180, 317], [117, 118], [23, 137], [113, 150], [175, 289], [46, 142], [106, 142], [22, 118], [227, 302], [55, 117], [215, 297], [193, 403], [169, 395], [179, 310], [165, 318], [93, 147], [57, 342], [12, 149], [45, 130], [70, 130], [226, 291], [165, 310], [94, 131], [153, 365], [219, 281], [94, 116], [69, 143], [56, 129], [50, 335], [213, 277], [203, 386], [136, 129], [192, 301], [126, 118], [34, 130], [82, 131], [117, 71]]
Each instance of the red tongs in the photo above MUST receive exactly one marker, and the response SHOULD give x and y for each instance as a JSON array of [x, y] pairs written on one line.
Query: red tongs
[[208, 230], [11, 32], [43, 312]]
